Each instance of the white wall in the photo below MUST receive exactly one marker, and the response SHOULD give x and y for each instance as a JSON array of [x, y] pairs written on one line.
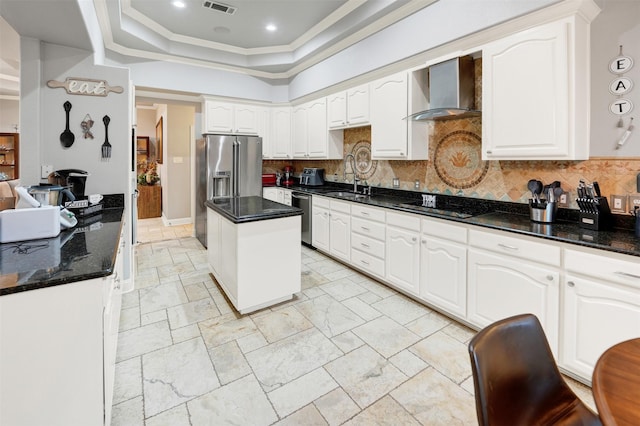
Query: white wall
[[9, 116], [618, 24], [42, 118], [177, 165]]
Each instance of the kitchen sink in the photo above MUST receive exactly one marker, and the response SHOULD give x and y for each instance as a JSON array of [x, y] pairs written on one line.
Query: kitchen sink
[[440, 212], [348, 195]]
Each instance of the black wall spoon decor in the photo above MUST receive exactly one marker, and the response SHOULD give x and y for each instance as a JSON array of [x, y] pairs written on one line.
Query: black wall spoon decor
[[67, 137]]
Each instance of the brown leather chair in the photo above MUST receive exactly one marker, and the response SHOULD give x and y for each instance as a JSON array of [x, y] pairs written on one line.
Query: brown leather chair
[[517, 381]]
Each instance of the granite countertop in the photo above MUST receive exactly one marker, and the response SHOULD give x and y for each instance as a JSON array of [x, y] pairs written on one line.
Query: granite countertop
[[251, 209], [84, 252], [503, 216]]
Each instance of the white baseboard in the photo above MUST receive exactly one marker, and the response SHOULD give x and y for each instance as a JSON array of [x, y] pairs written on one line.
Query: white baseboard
[[175, 222]]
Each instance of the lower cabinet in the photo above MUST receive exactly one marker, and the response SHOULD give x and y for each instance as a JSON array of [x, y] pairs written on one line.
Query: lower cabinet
[[60, 371], [443, 266], [601, 307], [403, 251], [340, 230], [279, 195], [500, 287], [320, 223]]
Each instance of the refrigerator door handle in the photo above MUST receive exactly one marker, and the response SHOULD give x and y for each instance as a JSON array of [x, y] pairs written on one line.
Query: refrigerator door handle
[[236, 167]]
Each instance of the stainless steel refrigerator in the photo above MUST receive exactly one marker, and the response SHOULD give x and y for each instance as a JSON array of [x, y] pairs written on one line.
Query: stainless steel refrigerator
[[226, 166]]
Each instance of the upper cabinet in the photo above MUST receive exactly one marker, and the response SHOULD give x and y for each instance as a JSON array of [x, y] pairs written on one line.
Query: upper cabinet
[[393, 137], [310, 135], [225, 117], [349, 108], [535, 91], [280, 141]]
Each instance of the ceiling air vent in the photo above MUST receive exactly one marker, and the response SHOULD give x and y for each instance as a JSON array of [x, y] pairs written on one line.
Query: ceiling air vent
[[220, 7]]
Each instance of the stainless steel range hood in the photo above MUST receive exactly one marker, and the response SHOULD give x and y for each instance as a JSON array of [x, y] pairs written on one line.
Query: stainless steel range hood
[[451, 91]]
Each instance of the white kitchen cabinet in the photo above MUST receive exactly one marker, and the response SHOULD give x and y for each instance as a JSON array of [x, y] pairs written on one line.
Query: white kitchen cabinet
[[403, 251], [310, 135], [270, 193], [393, 137], [320, 223], [340, 229], [443, 266], [263, 116], [349, 108], [601, 307], [60, 370], [226, 117], [213, 234], [509, 276], [280, 143], [535, 93], [368, 244]]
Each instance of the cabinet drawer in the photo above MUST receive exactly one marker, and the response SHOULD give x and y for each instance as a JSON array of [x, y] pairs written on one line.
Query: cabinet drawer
[[444, 230], [403, 220], [606, 267], [320, 201], [366, 227], [368, 245], [514, 246], [367, 262], [367, 212], [340, 206]]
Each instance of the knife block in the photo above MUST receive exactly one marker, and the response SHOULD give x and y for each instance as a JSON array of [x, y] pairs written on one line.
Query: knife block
[[595, 213]]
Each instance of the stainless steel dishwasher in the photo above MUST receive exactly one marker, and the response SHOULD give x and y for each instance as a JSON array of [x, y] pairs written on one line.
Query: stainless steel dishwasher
[[303, 201]]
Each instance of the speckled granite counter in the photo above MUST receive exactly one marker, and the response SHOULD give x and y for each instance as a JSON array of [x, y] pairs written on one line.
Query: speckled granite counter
[[251, 209], [504, 216], [84, 252]]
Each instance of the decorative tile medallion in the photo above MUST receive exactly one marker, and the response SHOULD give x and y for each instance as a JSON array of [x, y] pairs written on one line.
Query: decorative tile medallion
[[365, 166], [458, 160]]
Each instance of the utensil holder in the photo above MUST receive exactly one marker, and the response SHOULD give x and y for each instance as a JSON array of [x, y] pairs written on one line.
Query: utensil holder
[[543, 212], [595, 213]]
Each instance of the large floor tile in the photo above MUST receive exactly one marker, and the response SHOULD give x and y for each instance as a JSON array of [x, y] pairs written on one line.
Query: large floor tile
[[337, 406], [277, 325], [386, 336], [144, 339], [342, 289], [288, 359], [365, 375], [307, 416], [329, 316], [446, 355], [225, 328], [128, 413], [385, 412], [192, 312], [177, 416], [229, 362], [401, 309], [239, 403], [301, 391], [128, 380], [161, 297], [435, 400], [175, 375]]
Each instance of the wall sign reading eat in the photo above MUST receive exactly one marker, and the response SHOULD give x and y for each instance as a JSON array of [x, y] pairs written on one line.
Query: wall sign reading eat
[[85, 86]]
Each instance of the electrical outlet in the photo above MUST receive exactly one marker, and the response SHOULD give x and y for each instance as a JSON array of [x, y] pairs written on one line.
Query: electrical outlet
[[563, 200], [416, 184], [46, 170]]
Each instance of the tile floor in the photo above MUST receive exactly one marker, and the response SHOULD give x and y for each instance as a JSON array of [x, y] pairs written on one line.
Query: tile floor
[[346, 350]]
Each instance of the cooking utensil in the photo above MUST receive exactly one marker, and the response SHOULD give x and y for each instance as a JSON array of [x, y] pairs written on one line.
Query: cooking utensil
[[106, 146], [67, 137], [596, 188], [535, 186]]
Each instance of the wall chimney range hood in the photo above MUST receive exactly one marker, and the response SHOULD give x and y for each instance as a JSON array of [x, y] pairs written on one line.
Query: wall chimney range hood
[[451, 91]]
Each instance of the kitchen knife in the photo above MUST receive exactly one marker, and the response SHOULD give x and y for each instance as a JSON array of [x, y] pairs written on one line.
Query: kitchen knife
[[596, 188]]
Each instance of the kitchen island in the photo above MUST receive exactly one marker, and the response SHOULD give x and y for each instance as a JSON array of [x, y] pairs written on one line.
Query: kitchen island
[[254, 250]]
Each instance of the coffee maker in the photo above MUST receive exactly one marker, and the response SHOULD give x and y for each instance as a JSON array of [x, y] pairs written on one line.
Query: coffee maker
[[288, 176], [74, 179]]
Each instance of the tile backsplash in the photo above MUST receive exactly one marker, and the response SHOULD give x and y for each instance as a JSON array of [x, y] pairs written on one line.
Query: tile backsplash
[[503, 180]]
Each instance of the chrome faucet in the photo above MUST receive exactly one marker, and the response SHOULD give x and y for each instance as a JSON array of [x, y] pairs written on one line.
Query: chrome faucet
[[353, 167]]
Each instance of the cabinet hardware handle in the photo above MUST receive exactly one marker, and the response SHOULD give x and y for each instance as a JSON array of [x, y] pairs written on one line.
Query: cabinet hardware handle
[[571, 283], [505, 246], [364, 213], [489, 152], [365, 229], [626, 274], [549, 277], [414, 239], [365, 262], [424, 241], [364, 245]]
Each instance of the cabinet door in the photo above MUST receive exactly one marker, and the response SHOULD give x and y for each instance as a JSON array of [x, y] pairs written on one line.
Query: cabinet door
[[286, 197], [443, 275], [595, 316], [219, 117], [270, 193], [320, 228], [403, 259], [245, 119], [358, 105], [340, 235], [526, 84], [502, 286], [337, 110], [264, 131], [299, 132], [281, 133], [389, 101], [317, 132]]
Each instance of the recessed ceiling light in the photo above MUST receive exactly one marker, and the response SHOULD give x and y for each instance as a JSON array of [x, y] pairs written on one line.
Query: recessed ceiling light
[[271, 27], [178, 3]]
